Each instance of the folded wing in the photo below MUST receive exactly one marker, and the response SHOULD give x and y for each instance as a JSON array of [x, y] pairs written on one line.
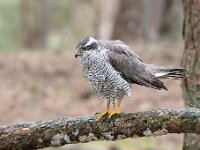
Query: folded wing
[[131, 66]]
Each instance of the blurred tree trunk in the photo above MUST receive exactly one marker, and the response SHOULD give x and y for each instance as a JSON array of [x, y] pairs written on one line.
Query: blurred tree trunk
[[35, 22], [127, 24], [161, 18], [191, 60], [171, 21], [105, 18], [152, 18], [132, 20]]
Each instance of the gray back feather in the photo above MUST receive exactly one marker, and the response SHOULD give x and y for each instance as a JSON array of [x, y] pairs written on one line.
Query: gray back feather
[[130, 65]]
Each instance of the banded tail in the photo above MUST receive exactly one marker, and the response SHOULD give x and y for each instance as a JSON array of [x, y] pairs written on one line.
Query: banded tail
[[166, 72]]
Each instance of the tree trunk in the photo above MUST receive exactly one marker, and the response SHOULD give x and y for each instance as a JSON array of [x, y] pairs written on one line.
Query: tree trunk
[[191, 60], [105, 18], [35, 22], [152, 19], [128, 20], [133, 20], [171, 22]]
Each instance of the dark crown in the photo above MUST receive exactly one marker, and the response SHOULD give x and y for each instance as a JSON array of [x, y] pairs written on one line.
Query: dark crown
[[83, 42]]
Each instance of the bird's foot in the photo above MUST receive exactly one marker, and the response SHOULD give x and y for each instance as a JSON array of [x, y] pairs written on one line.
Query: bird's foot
[[115, 111], [101, 115]]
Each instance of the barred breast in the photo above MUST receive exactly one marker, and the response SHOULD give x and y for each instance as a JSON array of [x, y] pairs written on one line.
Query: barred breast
[[106, 81]]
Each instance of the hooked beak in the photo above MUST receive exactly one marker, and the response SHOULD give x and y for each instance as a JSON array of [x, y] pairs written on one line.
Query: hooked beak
[[77, 54]]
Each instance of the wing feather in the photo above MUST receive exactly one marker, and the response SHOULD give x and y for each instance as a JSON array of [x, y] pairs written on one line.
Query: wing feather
[[131, 66]]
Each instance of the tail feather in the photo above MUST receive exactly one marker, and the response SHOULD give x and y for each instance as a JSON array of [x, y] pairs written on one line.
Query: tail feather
[[172, 72], [165, 72]]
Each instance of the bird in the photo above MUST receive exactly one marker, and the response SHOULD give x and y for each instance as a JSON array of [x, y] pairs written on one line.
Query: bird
[[112, 67]]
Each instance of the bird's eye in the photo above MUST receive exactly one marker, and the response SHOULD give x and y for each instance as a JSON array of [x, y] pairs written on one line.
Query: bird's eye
[[86, 48]]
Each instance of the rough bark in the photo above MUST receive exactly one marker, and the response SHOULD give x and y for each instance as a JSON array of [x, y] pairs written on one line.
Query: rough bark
[[191, 60], [58, 132]]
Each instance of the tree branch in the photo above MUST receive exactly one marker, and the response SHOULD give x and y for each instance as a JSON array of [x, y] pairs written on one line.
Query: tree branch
[[32, 135]]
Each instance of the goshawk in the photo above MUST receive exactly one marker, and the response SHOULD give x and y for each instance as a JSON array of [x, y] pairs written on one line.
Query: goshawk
[[111, 67]]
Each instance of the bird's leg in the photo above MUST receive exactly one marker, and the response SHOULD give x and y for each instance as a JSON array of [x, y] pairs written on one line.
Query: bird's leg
[[116, 109], [104, 113]]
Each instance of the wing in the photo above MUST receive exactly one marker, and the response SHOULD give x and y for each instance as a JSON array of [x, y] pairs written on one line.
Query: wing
[[120, 47], [131, 66]]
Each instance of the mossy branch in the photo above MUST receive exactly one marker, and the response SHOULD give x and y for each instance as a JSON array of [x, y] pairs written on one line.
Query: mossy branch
[[32, 135]]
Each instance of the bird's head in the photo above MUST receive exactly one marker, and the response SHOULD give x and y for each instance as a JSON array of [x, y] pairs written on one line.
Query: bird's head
[[86, 44]]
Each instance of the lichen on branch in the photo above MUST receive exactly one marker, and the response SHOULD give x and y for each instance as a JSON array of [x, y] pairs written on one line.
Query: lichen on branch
[[32, 135]]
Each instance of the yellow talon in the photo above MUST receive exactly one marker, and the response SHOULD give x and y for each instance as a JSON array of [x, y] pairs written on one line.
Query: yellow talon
[[104, 113], [101, 115], [113, 113], [110, 113], [116, 110]]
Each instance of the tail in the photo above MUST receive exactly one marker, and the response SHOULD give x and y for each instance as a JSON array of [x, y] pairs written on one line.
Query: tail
[[166, 72]]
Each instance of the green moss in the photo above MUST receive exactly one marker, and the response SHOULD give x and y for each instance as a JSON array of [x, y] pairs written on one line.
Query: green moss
[[162, 120], [105, 126], [190, 120]]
